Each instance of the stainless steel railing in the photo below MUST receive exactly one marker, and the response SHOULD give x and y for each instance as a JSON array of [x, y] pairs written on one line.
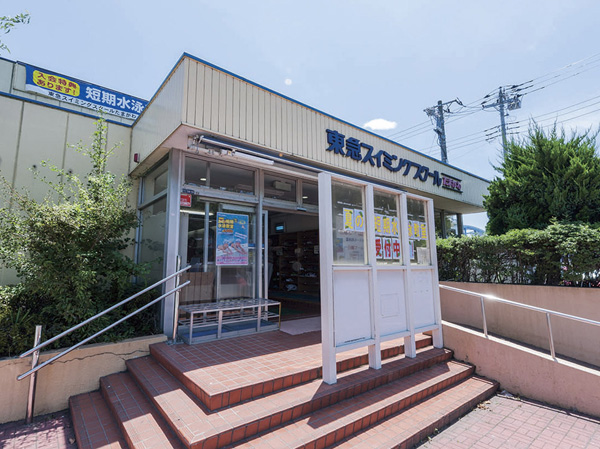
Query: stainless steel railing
[[38, 346], [549, 313]]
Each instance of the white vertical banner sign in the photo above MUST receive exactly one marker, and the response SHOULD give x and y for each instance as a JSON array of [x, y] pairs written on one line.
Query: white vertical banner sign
[[378, 269]]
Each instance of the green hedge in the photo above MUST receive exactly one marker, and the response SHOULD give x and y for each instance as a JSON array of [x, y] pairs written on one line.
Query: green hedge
[[561, 254]]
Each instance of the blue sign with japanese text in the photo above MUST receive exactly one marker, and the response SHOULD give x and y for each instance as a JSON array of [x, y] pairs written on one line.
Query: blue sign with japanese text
[[80, 93], [353, 148], [232, 239]]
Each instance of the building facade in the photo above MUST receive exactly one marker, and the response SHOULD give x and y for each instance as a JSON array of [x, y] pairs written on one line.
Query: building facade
[[239, 181]]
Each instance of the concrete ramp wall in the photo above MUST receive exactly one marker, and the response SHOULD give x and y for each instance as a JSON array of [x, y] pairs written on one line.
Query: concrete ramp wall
[[526, 372]]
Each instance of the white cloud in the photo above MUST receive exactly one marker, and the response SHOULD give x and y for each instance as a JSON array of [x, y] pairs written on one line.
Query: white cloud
[[380, 124], [288, 82]]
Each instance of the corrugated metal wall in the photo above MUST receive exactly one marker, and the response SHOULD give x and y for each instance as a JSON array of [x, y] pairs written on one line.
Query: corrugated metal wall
[[31, 133], [162, 116], [222, 104]]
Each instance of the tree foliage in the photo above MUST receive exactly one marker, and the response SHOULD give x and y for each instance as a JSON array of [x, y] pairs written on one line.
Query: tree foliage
[[68, 249], [8, 23], [545, 176]]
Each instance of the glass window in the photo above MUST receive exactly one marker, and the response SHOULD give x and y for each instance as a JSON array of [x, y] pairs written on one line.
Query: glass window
[[348, 224], [418, 232], [237, 273], [451, 221], [447, 228], [231, 179], [280, 188], [437, 217], [152, 244], [155, 182], [310, 193], [195, 172], [387, 229], [222, 245]]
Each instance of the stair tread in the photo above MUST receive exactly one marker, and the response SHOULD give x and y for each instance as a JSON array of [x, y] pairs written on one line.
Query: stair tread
[[363, 410], [94, 424], [417, 423], [141, 424], [219, 372], [387, 433], [193, 422]]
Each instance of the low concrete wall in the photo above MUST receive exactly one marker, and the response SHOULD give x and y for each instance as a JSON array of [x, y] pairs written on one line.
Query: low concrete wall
[[75, 373], [572, 339], [526, 372]]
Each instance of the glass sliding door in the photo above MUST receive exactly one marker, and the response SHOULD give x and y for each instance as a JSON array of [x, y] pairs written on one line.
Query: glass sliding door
[[219, 241]]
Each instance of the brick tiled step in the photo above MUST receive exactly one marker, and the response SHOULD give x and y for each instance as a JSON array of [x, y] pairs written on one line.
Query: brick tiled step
[[222, 374], [93, 423], [140, 423], [330, 425], [414, 425], [198, 427]]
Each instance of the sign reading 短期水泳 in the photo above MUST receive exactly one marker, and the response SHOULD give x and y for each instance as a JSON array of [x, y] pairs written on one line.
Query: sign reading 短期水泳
[[232, 239], [353, 148], [71, 90]]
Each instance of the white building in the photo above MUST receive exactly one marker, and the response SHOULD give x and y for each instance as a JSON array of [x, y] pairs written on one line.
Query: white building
[[213, 150]]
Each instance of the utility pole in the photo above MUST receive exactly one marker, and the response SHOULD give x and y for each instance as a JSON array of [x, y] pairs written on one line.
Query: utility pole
[[512, 103], [437, 112], [501, 98]]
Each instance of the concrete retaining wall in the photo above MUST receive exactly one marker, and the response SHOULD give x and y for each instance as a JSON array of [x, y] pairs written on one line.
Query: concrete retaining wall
[[526, 372], [572, 339], [75, 373]]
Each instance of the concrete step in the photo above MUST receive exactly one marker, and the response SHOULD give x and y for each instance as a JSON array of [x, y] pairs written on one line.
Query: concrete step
[[222, 374], [198, 427], [410, 427], [140, 423], [93, 423], [342, 420]]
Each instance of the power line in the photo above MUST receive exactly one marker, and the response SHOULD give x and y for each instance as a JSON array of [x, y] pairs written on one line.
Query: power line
[[425, 123], [455, 157]]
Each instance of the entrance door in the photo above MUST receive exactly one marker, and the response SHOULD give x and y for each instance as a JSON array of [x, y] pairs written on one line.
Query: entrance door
[[292, 270], [218, 240], [378, 269]]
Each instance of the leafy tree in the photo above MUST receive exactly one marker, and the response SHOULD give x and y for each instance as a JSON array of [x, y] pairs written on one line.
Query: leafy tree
[[545, 176], [67, 249], [8, 23]]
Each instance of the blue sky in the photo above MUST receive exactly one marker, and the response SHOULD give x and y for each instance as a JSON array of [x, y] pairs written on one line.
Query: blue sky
[[358, 60]]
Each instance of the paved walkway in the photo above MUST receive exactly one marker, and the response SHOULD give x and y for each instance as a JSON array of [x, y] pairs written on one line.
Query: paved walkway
[[47, 432], [498, 423], [512, 423]]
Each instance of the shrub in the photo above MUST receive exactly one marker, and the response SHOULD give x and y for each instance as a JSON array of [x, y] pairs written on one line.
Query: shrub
[[68, 253], [560, 254]]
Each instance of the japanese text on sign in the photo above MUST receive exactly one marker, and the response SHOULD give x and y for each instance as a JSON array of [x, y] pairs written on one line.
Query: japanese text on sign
[[353, 148], [417, 230], [354, 220], [82, 94]]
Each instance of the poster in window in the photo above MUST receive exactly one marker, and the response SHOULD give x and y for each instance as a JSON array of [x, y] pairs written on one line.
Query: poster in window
[[232, 239], [378, 248], [348, 219], [359, 220]]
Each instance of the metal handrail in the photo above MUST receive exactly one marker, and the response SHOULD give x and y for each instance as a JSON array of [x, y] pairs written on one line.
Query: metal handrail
[[548, 312], [83, 323], [104, 312]]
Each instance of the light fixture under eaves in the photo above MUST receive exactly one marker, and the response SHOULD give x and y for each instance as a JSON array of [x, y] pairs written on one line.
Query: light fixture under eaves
[[260, 160], [231, 150]]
